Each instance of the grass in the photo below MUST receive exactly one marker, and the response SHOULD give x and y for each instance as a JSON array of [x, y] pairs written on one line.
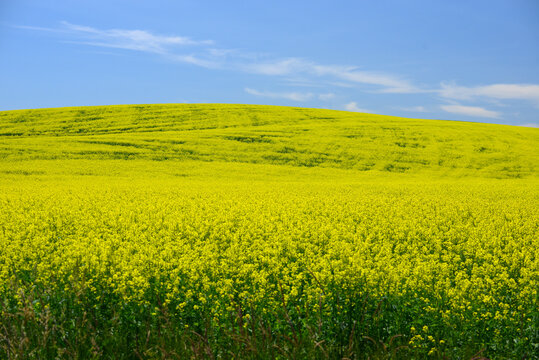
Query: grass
[[237, 231]]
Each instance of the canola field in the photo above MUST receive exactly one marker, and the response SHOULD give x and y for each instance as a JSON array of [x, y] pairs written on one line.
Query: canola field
[[236, 231]]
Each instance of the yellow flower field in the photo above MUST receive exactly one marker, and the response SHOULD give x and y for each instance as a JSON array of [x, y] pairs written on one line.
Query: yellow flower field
[[167, 240]]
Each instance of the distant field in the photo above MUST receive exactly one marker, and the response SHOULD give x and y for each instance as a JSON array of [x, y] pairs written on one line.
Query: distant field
[[238, 231]]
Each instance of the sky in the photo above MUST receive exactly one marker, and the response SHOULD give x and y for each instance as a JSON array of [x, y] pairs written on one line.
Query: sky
[[457, 60]]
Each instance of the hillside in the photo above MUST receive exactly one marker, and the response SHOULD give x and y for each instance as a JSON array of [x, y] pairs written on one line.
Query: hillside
[[261, 232], [183, 139]]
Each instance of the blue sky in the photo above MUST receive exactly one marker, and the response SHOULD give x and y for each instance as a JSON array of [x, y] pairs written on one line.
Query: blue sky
[[461, 60]]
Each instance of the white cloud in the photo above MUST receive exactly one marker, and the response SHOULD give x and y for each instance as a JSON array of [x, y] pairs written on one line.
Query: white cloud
[[341, 84], [294, 96], [390, 83], [211, 57], [350, 74], [194, 60], [278, 67], [511, 91], [298, 71], [326, 97], [414, 109], [352, 106], [494, 91], [533, 125], [471, 111], [38, 28], [303, 82], [221, 52], [139, 40]]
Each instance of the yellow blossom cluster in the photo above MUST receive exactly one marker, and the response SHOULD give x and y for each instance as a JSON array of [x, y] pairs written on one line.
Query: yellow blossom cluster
[[449, 255]]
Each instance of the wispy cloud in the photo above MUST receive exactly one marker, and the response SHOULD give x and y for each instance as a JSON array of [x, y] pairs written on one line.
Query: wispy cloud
[[389, 83], [277, 67], [414, 109], [139, 40], [494, 91], [533, 125], [39, 28], [294, 96], [293, 70], [474, 111], [210, 56], [352, 106], [326, 97], [196, 60], [350, 74]]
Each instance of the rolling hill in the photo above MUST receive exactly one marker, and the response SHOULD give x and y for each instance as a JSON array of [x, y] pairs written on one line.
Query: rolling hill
[[46, 141], [258, 232]]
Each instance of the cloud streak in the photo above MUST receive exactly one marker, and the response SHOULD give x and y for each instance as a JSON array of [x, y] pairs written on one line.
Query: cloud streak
[[350, 74], [474, 111], [138, 40], [297, 71], [495, 91], [326, 97], [210, 57], [294, 96], [352, 106], [414, 109]]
